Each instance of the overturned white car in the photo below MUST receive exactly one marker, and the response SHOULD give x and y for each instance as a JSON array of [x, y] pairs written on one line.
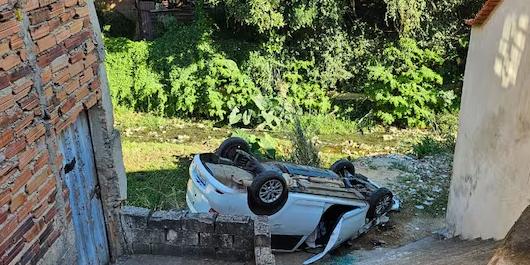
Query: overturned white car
[[307, 206]]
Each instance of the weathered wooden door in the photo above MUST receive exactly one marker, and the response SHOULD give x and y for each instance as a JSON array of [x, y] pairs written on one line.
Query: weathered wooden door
[[80, 176]]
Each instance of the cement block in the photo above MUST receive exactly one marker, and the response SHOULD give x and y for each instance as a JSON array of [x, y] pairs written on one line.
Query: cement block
[[141, 248], [198, 222], [244, 242], [235, 225], [264, 256], [166, 220]]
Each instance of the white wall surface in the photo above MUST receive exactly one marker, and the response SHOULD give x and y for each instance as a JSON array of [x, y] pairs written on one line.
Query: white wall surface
[[491, 176]]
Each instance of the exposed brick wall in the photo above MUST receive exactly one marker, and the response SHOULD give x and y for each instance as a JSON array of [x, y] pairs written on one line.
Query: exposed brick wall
[[48, 75]]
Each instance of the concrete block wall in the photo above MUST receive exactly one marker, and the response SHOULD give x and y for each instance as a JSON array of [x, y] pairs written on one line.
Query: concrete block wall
[[180, 233], [50, 65]]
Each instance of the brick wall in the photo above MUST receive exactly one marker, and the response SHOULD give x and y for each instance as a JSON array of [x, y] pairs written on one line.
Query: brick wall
[[180, 233], [49, 68]]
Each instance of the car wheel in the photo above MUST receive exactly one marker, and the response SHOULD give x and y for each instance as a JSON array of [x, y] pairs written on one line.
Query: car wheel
[[228, 149], [380, 203], [268, 193], [342, 167]]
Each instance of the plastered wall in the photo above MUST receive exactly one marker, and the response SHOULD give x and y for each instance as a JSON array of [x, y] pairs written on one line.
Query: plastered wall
[[491, 176]]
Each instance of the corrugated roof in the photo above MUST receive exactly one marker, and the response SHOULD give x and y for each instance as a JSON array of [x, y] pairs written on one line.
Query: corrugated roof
[[483, 13]]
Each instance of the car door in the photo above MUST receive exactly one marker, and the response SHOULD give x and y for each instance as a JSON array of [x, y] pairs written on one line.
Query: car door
[[348, 226]]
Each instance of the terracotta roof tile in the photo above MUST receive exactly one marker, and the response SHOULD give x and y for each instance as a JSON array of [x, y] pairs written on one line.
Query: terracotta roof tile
[[483, 13]]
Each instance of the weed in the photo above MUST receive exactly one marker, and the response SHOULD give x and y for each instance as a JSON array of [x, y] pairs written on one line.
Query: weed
[[305, 151], [429, 145]]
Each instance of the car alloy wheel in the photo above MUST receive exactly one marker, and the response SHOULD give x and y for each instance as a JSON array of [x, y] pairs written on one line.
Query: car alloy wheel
[[271, 191]]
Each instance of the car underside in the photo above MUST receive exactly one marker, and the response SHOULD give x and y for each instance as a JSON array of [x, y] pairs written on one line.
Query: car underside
[[307, 206]]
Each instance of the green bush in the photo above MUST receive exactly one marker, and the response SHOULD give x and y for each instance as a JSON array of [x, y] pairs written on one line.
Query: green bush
[[429, 146], [405, 88]]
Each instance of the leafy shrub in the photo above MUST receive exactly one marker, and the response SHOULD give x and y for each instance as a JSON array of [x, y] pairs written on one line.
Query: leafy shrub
[[404, 86], [262, 146]]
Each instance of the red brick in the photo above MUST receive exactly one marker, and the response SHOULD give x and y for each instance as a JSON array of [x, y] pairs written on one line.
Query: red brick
[[5, 197], [40, 31], [3, 215], [41, 161], [62, 34], [22, 123], [8, 28], [12, 254], [70, 3], [76, 68], [81, 93], [33, 232], [17, 200], [39, 210], [50, 214], [68, 14], [21, 180], [16, 42], [46, 75], [9, 62], [22, 91], [4, 81], [8, 118], [15, 147], [24, 226], [26, 157], [76, 40], [68, 105], [56, 9], [6, 101], [26, 210], [31, 5], [46, 2], [71, 86], [46, 189], [81, 11], [4, 47], [59, 63], [6, 137], [59, 97], [75, 26], [35, 133], [39, 15], [62, 76], [19, 73], [90, 59], [90, 101], [46, 43], [30, 102], [38, 179], [6, 15], [90, 46], [8, 226], [54, 23], [87, 76], [77, 56]]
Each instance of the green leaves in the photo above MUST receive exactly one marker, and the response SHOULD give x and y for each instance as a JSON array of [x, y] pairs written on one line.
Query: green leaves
[[405, 88]]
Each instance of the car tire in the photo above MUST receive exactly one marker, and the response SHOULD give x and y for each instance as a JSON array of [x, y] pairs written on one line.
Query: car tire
[[343, 166], [380, 203], [268, 193], [228, 148]]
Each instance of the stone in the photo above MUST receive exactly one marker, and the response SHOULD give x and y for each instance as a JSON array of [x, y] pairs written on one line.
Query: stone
[[235, 225]]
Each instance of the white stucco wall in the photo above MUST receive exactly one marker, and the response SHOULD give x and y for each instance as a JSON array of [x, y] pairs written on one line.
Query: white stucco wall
[[491, 176]]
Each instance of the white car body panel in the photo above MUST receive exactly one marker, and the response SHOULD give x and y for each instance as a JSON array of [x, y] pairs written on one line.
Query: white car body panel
[[299, 216]]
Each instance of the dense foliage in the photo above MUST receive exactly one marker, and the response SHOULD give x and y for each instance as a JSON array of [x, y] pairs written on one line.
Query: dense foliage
[[255, 62]]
